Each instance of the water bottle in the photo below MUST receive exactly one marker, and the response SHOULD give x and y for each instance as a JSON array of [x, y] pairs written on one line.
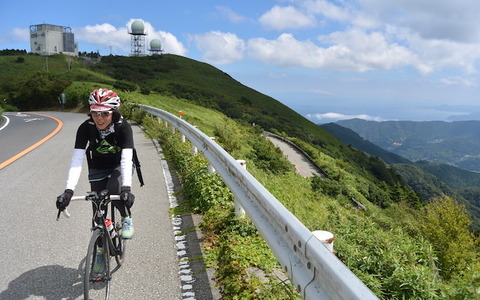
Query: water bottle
[[110, 228]]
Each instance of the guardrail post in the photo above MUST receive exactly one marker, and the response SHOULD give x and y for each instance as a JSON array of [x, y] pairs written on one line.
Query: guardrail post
[[194, 148], [239, 211], [211, 169], [326, 238]]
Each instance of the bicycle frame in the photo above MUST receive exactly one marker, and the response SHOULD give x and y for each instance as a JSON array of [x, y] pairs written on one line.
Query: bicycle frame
[[100, 203]]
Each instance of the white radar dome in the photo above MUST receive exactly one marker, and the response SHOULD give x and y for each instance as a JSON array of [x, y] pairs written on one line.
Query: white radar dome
[[156, 45], [138, 27]]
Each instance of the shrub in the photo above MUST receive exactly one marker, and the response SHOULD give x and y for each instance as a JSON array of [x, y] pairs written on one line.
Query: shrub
[[267, 157], [124, 86], [40, 90], [78, 93], [446, 224]]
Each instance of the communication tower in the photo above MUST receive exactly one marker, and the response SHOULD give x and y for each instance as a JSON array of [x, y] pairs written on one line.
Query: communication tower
[[138, 38], [156, 47]]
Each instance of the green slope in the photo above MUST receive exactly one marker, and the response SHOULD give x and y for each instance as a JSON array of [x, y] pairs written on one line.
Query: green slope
[[350, 137], [385, 245], [428, 180], [208, 86]]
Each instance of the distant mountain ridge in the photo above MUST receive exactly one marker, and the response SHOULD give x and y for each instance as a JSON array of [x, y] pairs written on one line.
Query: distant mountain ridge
[[454, 143], [426, 179], [454, 177], [350, 137]]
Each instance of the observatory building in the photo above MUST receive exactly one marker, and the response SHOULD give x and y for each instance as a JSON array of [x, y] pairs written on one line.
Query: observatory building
[[46, 39], [138, 38], [156, 47]]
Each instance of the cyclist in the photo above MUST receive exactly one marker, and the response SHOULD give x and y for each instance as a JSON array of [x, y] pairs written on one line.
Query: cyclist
[[106, 140]]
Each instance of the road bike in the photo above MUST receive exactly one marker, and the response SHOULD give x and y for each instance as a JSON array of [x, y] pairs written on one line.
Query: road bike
[[106, 241]]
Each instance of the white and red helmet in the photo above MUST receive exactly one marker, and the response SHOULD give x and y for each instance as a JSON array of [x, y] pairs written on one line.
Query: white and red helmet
[[103, 99]]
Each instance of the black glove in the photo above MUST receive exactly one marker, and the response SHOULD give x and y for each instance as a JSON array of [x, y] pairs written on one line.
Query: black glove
[[126, 196], [64, 199]]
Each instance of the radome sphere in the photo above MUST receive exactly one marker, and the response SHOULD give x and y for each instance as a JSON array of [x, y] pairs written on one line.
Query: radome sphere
[[156, 45], [138, 27]]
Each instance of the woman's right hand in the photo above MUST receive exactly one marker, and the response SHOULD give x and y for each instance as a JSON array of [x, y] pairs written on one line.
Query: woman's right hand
[[64, 199]]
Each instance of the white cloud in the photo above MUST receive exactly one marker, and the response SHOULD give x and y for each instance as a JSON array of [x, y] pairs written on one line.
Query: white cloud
[[439, 55], [172, 44], [460, 81], [362, 51], [444, 20], [281, 18], [15, 34], [219, 47], [429, 36], [332, 117], [370, 35], [104, 35], [327, 9], [21, 34], [107, 35], [352, 50], [320, 92], [229, 14], [285, 51]]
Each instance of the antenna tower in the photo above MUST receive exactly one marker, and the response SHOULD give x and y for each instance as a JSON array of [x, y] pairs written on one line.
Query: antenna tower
[[138, 38]]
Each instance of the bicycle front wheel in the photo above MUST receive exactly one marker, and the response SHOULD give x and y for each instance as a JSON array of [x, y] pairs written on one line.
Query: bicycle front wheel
[[96, 280]]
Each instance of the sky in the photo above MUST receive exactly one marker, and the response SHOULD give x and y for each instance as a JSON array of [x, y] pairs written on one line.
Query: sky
[[326, 59]]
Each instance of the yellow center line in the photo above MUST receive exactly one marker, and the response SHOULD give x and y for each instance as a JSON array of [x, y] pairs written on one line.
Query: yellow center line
[[17, 156]]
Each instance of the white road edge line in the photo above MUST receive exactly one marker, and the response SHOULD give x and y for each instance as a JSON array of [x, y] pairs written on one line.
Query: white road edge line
[[186, 275], [5, 125]]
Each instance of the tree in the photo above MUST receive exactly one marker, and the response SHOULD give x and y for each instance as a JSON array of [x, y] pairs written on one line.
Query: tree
[[40, 90], [446, 225]]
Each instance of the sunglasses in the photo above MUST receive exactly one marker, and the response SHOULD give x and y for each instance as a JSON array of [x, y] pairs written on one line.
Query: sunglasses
[[101, 113]]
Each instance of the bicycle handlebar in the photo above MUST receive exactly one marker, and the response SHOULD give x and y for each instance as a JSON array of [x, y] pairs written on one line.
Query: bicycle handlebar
[[85, 198]]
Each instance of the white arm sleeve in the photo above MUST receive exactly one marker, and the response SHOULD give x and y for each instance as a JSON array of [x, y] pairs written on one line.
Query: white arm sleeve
[[75, 168], [126, 166]]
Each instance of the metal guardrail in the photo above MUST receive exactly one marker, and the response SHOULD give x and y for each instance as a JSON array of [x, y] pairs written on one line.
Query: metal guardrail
[[312, 268]]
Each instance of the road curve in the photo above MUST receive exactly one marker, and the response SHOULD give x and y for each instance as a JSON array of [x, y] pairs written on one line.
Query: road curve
[[42, 258], [23, 132], [302, 165]]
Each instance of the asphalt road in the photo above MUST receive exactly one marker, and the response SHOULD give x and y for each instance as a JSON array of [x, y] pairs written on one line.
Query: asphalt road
[[302, 166], [41, 258], [19, 131]]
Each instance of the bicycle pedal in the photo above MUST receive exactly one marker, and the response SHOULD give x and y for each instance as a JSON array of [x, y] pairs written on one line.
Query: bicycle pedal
[[100, 278]]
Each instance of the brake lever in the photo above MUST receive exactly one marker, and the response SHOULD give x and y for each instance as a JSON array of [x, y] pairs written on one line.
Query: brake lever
[[65, 212]]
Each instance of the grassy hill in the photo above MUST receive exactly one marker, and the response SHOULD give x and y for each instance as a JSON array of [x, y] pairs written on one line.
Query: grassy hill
[[399, 247], [427, 179], [350, 137], [210, 87]]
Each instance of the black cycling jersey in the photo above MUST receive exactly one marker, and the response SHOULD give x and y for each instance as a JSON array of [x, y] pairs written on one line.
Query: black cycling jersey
[[104, 153]]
